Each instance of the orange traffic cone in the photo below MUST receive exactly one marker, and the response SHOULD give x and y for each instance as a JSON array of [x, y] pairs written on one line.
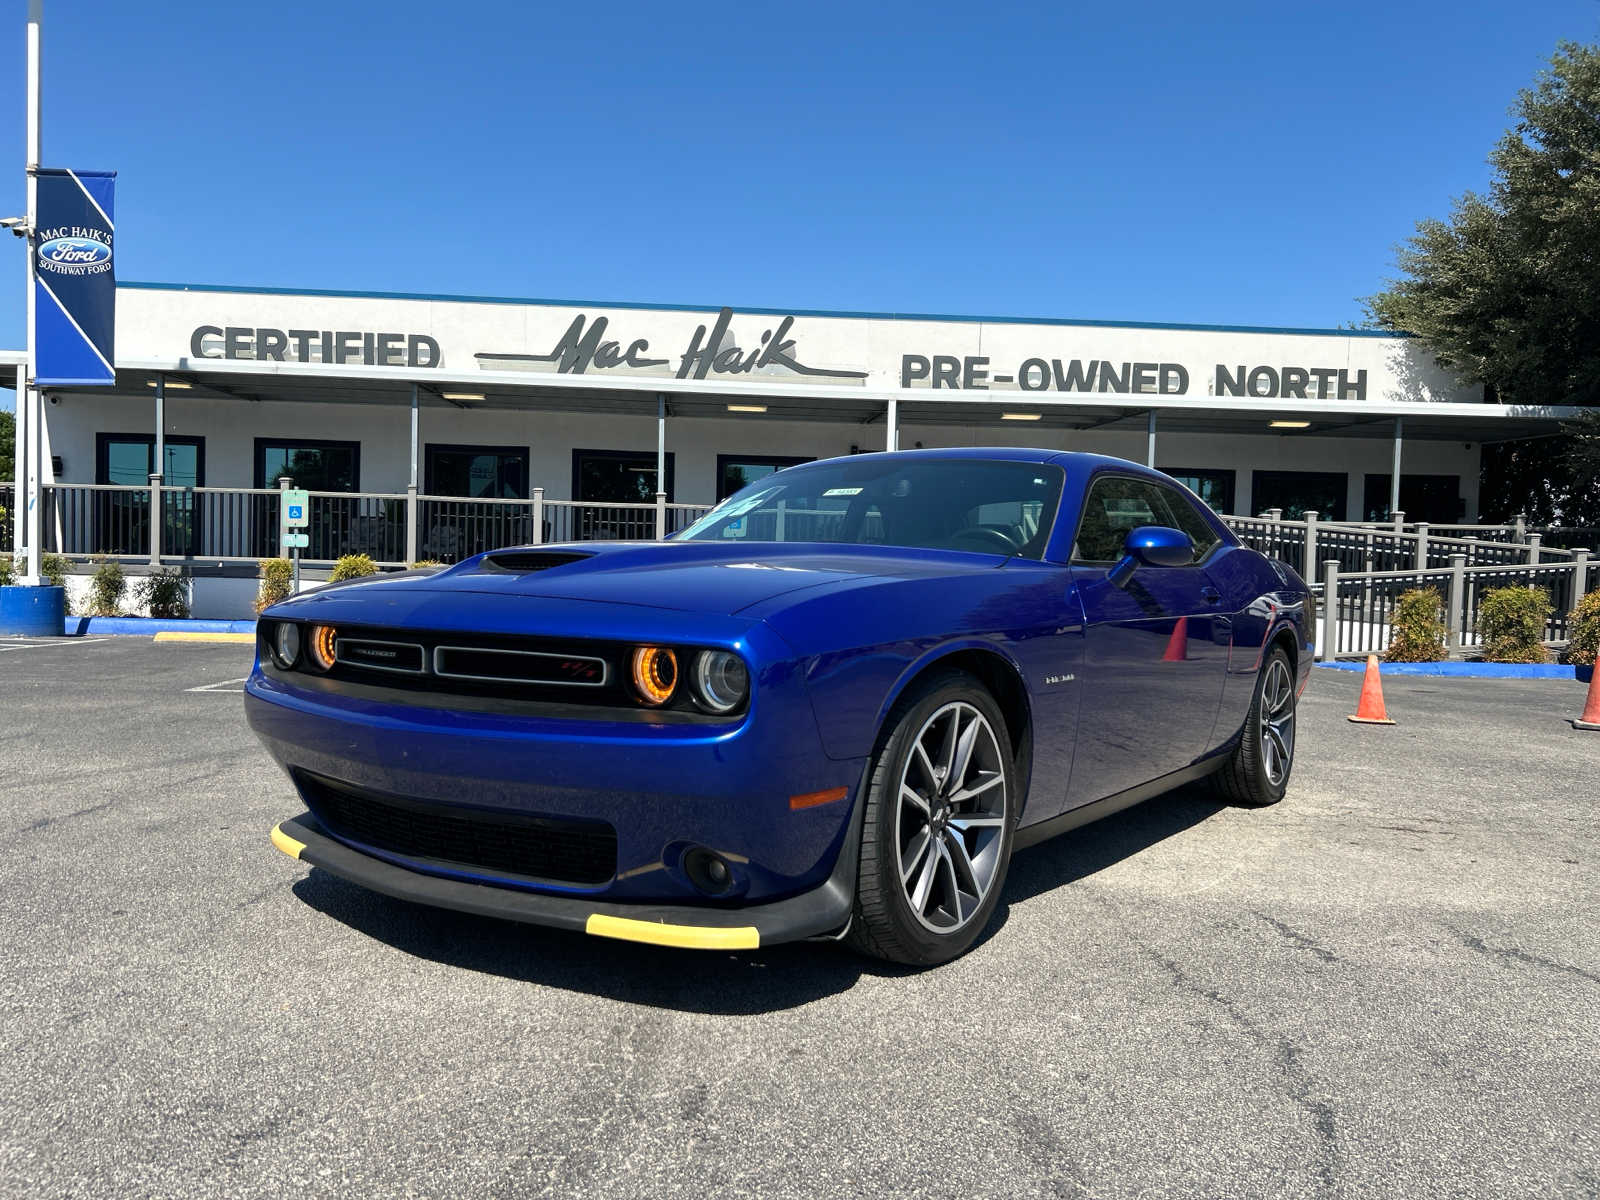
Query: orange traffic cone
[[1369, 709], [1178, 643], [1591, 704]]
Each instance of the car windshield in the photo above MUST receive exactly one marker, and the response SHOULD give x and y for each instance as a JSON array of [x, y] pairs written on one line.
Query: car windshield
[[932, 503]]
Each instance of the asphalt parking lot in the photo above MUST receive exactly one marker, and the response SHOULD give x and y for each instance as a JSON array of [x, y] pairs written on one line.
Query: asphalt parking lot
[[1388, 985]]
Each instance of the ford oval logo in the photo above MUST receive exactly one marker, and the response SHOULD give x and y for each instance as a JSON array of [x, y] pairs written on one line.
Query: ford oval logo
[[74, 252]]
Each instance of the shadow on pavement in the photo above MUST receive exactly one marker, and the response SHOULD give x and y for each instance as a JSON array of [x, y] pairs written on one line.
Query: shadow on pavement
[[730, 984]]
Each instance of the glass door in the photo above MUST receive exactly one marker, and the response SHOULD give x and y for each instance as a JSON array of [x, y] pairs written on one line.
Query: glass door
[[122, 519]]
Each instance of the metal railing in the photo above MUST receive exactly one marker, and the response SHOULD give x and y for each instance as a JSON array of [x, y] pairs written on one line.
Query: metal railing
[[1356, 610], [8, 517], [1307, 543], [393, 528]]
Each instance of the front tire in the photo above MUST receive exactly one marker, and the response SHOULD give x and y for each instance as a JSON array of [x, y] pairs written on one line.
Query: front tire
[[1257, 772], [937, 830]]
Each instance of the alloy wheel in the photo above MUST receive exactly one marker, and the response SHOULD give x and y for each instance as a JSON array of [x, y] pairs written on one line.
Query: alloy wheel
[[1277, 721], [951, 817]]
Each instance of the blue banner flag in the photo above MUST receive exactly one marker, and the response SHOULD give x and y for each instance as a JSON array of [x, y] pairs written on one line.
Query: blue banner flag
[[75, 279]]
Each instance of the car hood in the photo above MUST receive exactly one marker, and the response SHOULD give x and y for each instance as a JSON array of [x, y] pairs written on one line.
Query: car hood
[[706, 577]]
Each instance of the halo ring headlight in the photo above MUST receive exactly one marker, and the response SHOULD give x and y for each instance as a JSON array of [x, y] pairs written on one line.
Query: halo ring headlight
[[286, 645], [720, 682], [655, 674], [322, 640]]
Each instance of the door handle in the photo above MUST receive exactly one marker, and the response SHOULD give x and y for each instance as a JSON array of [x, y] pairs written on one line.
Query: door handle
[[1210, 595]]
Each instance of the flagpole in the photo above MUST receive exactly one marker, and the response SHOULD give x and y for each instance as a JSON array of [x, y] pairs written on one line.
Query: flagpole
[[29, 495]]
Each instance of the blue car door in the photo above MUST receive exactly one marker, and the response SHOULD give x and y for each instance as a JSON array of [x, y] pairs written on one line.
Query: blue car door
[[1155, 649]]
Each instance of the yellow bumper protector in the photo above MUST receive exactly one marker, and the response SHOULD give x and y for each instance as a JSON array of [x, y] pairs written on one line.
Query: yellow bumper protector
[[287, 844], [658, 933]]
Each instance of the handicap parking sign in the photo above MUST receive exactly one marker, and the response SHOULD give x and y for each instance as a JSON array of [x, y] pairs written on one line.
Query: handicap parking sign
[[296, 507]]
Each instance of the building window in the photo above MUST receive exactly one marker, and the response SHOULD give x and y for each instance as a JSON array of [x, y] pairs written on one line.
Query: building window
[[617, 476], [1299, 492], [735, 471], [313, 465], [493, 472], [1214, 487], [122, 519], [1435, 499]]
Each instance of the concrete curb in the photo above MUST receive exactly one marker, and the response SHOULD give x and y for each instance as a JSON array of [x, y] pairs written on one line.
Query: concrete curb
[[147, 626], [1473, 670]]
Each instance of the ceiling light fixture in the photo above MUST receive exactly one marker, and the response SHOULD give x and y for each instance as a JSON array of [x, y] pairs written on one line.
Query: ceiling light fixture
[[1289, 424], [1005, 416], [172, 383], [755, 408], [462, 395]]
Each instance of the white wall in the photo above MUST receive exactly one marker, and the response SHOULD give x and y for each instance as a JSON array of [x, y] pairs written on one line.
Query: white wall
[[230, 428]]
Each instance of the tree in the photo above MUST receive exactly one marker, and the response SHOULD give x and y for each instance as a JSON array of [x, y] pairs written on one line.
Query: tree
[[1506, 292], [8, 446]]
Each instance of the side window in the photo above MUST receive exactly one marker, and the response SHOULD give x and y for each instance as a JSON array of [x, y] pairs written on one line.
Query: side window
[[1186, 518], [1115, 504], [1118, 503]]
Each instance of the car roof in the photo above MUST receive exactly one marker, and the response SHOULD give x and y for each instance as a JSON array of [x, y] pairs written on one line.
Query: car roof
[[1064, 458]]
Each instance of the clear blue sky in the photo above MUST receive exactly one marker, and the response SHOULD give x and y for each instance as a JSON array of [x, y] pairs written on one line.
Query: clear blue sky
[[1234, 163]]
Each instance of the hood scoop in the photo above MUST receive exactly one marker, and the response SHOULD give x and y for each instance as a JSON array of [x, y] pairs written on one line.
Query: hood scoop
[[524, 562]]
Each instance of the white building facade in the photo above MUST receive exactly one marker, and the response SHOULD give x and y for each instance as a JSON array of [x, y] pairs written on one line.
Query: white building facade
[[493, 400]]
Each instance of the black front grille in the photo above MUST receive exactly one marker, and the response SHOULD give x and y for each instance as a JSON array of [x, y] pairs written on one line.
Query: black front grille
[[473, 839]]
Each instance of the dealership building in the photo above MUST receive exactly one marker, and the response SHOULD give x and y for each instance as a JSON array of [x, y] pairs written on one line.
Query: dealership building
[[452, 398]]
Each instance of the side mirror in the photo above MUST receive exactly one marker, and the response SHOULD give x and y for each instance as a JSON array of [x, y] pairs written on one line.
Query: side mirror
[[1151, 546]]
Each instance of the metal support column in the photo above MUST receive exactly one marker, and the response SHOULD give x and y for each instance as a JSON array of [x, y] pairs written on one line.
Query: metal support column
[[1150, 439], [661, 466], [411, 487], [1394, 474], [891, 437], [158, 463], [30, 521]]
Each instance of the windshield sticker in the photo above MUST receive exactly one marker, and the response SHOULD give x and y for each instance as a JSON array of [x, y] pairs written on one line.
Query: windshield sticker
[[842, 492]]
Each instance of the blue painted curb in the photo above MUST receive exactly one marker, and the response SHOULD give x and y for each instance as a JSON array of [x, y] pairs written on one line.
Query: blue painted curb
[[149, 626], [1474, 670]]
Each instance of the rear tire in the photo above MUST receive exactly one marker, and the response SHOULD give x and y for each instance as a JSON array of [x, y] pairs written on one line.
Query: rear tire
[[1257, 773], [937, 829]]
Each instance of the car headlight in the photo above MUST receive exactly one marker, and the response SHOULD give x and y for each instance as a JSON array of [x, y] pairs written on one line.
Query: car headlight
[[286, 645], [720, 682], [322, 638], [655, 674]]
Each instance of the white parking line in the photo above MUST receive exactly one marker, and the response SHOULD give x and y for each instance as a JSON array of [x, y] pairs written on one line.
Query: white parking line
[[48, 643], [222, 685]]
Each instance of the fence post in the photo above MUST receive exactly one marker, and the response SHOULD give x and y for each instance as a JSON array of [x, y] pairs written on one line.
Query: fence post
[[661, 516], [155, 519], [1310, 557], [283, 486], [411, 523], [1456, 617], [1533, 546], [538, 516], [1422, 545], [1330, 609], [1520, 524], [1273, 514], [1399, 516], [1580, 573], [1472, 554]]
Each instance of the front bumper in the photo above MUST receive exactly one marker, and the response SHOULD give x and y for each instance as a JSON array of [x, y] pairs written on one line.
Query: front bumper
[[820, 911]]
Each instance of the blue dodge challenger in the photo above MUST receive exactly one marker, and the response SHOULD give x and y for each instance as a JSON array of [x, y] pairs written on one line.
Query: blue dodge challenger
[[833, 707]]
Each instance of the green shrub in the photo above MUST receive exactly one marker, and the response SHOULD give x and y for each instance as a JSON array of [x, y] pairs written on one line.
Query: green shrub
[[423, 563], [106, 590], [8, 573], [1511, 623], [1584, 626], [277, 578], [54, 568], [1417, 631], [353, 566], [164, 594]]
